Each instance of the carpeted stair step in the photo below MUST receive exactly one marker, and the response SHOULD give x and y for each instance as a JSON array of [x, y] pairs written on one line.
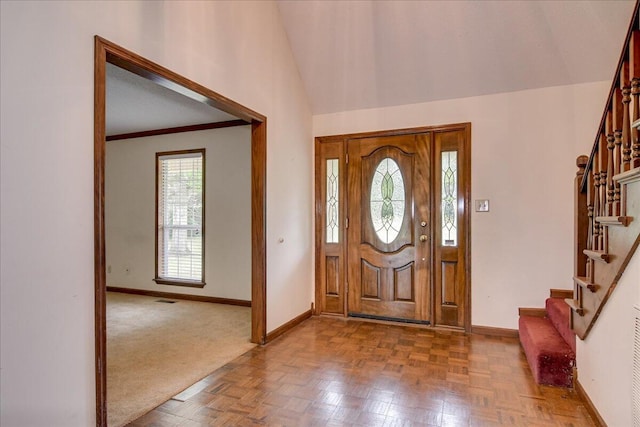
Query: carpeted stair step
[[560, 315], [551, 359]]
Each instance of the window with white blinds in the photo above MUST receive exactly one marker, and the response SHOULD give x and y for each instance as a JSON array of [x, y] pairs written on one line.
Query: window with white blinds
[[180, 181]]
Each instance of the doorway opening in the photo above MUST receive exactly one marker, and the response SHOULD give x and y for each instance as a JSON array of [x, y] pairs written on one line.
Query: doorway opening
[[107, 52], [393, 225]]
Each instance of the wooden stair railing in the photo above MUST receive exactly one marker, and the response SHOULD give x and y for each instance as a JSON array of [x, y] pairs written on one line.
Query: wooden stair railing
[[607, 193]]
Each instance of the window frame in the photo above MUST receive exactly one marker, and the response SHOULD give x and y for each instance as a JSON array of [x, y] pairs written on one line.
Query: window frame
[[169, 280]]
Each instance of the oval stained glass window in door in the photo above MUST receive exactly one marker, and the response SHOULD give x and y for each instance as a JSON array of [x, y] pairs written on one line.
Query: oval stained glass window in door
[[387, 200]]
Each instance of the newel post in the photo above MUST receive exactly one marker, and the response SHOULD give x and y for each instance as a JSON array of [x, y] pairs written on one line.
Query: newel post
[[581, 220]]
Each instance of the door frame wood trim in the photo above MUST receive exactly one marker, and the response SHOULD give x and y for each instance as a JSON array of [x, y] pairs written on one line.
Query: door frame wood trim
[[394, 132], [466, 193], [106, 51]]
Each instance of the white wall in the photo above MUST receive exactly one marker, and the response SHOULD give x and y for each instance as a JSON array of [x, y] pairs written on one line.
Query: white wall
[[605, 358], [238, 49], [524, 146], [130, 211]]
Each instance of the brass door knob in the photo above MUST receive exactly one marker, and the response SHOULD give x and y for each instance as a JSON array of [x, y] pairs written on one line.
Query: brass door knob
[[423, 238]]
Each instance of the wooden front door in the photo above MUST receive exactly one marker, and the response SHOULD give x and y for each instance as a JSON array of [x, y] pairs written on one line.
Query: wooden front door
[[389, 210], [392, 225]]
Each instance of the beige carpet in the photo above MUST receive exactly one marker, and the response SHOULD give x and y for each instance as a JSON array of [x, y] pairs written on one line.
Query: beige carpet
[[155, 350]]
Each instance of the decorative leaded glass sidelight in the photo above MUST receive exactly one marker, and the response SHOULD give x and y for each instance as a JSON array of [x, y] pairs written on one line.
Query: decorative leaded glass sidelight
[[450, 198], [332, 201], [387, 200]]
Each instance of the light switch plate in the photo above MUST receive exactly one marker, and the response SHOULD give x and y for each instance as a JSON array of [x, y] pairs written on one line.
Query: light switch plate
[[482, 205]]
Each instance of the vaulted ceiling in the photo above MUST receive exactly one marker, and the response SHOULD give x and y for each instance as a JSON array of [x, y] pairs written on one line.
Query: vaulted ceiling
[[367, 54]]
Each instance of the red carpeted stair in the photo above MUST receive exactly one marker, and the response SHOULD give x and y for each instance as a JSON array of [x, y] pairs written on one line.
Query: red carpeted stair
[[550, 344]]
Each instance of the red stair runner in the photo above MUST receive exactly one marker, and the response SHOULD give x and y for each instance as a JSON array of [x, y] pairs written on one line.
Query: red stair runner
[[549, 344]]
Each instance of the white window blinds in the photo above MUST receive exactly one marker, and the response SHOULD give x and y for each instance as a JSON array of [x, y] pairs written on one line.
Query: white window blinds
[[180, 216]]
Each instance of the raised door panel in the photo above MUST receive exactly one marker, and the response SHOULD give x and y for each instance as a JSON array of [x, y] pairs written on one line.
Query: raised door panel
[[404, 283], [370, 286], [333, 292]]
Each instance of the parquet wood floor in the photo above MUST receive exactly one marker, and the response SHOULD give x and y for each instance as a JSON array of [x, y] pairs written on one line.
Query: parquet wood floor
[[335, 372]]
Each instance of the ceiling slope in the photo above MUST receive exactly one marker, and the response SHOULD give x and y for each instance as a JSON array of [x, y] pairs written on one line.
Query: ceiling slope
[[366, 54]]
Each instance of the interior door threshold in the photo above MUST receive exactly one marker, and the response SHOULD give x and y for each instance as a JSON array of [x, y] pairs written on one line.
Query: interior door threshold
[[389, 319]]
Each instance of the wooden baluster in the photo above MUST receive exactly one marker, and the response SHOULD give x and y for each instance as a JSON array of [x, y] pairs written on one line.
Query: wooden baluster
[[634, 75], [590, 210], [635, 133], [610, 161], [581, 220], [595, 171], [625, 86], [616, 104], [603, 162], [590, 207], [579, 300]]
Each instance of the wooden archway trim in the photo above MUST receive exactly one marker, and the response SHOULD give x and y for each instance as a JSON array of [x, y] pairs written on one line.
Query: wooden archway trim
[[106, 51]]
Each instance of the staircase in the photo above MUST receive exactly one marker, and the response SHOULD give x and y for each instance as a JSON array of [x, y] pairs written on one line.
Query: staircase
[[606, 227], [607, 194]]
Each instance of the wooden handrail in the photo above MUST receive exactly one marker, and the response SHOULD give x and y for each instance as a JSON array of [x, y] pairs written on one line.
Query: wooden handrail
[[633, 24]]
